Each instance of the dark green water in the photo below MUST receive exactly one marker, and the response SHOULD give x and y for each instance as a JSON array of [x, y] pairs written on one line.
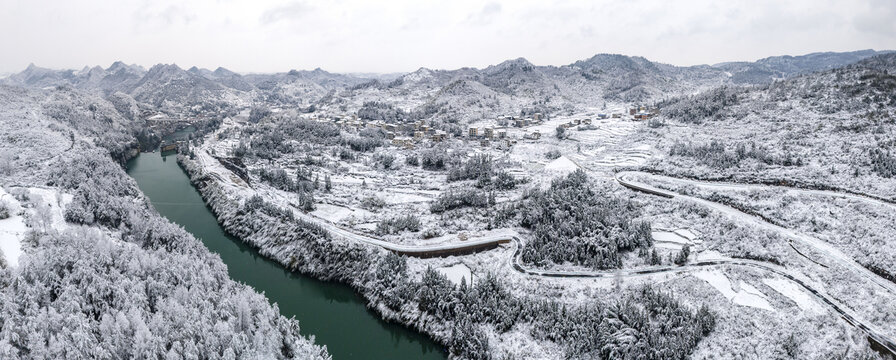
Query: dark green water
[[332, 312]]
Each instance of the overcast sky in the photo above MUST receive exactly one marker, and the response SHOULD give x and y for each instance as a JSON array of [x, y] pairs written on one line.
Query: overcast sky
[[396, 36]]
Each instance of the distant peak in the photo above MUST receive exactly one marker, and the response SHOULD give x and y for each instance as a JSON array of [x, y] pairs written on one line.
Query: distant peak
[[166, 67], [520, 61], [117, 65]]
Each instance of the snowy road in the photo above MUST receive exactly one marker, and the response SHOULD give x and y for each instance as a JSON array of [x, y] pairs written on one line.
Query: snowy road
[[830, 302], [212, 168], [740, 186], [826, 249], [220, 174], [454, 248], [829, 251]]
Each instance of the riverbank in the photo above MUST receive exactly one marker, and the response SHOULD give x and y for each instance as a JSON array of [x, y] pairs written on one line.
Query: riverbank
[[500, 316], [101, 274], [306, 252]]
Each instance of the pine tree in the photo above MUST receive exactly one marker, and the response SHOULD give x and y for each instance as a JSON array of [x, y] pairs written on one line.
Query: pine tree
[[683, 255], [654, 258]]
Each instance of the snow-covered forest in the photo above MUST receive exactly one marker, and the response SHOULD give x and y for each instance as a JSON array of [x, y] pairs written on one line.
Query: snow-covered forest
[[613, 207], [102, 275]]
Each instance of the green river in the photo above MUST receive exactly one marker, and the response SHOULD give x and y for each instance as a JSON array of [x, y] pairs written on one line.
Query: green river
[[331, 312]]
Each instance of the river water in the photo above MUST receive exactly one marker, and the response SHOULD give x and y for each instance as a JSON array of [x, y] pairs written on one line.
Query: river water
[[331, 312]]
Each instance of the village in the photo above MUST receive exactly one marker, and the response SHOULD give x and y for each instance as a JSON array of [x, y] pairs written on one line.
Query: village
[[502, 132]]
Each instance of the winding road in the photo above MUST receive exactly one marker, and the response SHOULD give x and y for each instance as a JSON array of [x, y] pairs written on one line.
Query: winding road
[[830, 252], [851, 318], [492, 241], [424, 251]]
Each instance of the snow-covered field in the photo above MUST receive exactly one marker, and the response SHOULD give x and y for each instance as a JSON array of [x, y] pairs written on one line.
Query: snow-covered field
[[12, 229], [457, 273], [742, 294], [802, 299], [755, 254], [674, 239], [43, 209], [615, 143]]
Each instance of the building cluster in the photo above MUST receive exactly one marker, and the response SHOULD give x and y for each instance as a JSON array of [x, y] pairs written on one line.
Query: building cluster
[[420, 132], [490, 135], [603, 116], [576, 122], [643, 112], [406, 135], [521, 121]]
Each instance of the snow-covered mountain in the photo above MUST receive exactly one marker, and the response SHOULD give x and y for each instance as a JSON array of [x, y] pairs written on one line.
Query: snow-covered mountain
[[832, 127], [34, 76], [170, 87], [465, 93]]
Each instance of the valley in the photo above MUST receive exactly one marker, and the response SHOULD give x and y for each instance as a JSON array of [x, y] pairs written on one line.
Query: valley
[[613, 207]]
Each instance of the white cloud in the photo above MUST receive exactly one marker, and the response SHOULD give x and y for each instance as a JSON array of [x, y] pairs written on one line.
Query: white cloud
[[402, 35], [292, 11]]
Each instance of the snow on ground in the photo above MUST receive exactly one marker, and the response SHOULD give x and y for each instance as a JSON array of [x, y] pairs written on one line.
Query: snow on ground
[[631, 157], [674, 239], [46, 210], [336, 213], [669, 236], [690, 234], [561, 166], [392, 197], [54, 202], [795, 294], [746, 295], [457, 272], [710, 255], [12, 230], [366, 226], [348, 180]]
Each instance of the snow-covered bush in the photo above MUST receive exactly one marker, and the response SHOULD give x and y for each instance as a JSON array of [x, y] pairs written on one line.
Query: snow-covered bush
[[883, 163], [363, 143], [477, 167], [385, 160], [372, 203], [277, 178], [257, 113], [560, 132], [4, 209], [433, 159], [412, 160], [716, 154], [398, 224], [682, 257], [458, 198]]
